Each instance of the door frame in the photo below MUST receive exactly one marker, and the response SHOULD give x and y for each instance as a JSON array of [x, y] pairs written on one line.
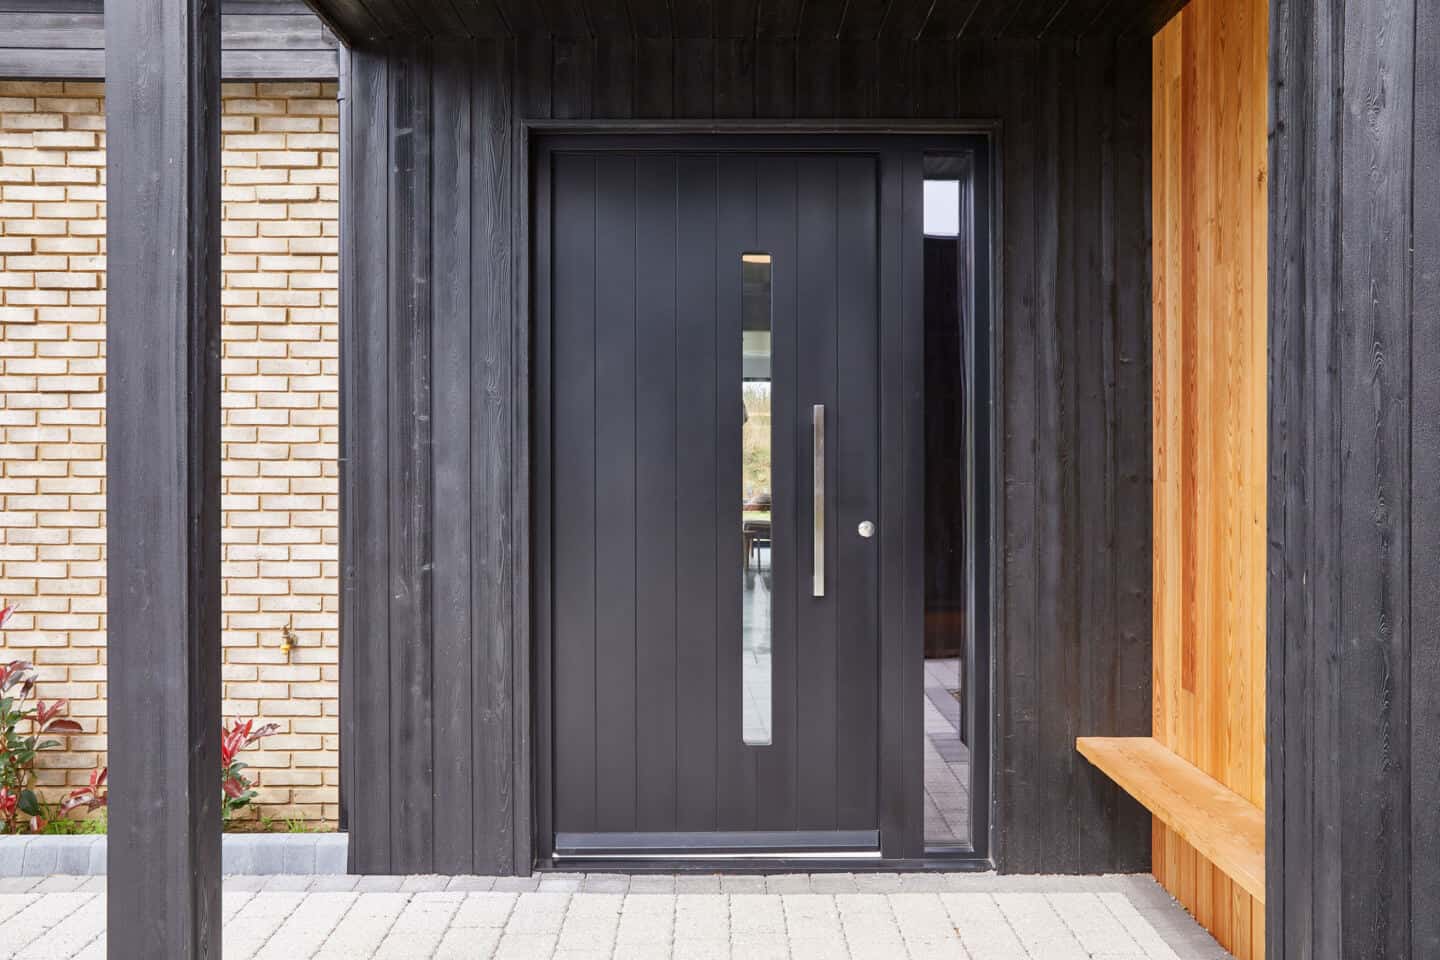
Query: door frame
[[899, 148]]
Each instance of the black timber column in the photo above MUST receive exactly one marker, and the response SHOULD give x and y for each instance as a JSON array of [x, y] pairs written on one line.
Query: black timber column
[[1353, 712], [163, 477]]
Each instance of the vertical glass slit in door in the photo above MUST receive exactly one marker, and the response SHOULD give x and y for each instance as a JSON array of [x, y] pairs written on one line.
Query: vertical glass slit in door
[[756, 443]]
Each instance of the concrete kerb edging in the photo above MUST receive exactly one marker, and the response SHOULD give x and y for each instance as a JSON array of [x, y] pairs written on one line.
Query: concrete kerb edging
[[246, 854]]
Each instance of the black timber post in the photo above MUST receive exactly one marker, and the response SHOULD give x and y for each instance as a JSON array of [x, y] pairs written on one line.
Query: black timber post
[[1353, 631], [163, 477]]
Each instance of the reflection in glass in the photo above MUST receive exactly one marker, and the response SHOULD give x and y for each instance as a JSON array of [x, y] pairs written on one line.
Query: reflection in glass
[[755, 505], [947, 752]]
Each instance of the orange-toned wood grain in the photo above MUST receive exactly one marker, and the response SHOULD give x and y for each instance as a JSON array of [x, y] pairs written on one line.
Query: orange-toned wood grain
[[1210, 99], [1225, 828]]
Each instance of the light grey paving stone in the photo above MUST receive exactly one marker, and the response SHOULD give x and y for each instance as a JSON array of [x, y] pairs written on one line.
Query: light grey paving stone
[[587, 933], [833, 883], [470, 884], [539, 913], [702, 917], [332, 853], [822, 948], [812, 909], [877, 882], [922, 918], [787, 883], [652, 883], [983, 929], [306, 929], [59, 883], [488, 910], [12, 856], [250, 883], [38, 917], [364, 926], [99, 858], [560, 882], [697, 883], [288, 883], [240, 859], [643, 951], [379, 884], [605, 883], [42, 855], [70, 935], [1093, 925], [756, 914], [468, 943], [597, 905], [94, 951], [297, 853], [517, 884], [1143, 931], [924, 883], [525, 946], [761, 946], [417, 883], [93, 885], [1039, 927], [645, 920], [1169, 919], [18, 884], [717, 948], [742, 883], [256, 922], [333, 883], [13, 903], [233, 901], [73, 857], [418, 930]]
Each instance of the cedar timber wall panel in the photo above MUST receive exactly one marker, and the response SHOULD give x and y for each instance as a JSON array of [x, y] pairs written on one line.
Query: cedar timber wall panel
[[435, 591], [1210, 99]]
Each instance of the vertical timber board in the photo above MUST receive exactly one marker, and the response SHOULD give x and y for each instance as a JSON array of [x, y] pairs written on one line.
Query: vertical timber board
[[1017, 792], [1373, 363], [410, 502], [1126, 236], [501, 803], [457, 630], [365, 421], [1354, 263], [1425, 507], [163, 477]]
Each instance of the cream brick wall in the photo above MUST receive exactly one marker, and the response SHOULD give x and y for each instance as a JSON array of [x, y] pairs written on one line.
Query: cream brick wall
[[280, 426]]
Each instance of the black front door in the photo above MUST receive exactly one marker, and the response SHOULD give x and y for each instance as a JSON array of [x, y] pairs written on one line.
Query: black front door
[[714, 485]]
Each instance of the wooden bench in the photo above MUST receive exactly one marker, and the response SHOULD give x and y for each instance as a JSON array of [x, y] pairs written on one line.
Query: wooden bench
[[1223, 826]]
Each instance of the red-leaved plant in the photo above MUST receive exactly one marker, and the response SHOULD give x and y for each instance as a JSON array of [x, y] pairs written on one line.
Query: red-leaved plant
[[20, 807], [236, 789]]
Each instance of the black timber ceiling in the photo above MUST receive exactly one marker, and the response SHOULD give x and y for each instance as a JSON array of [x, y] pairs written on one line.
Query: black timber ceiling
[[371, 23]]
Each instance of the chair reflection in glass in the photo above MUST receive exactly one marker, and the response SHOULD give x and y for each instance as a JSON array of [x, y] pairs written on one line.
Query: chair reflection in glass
[[755, 528]]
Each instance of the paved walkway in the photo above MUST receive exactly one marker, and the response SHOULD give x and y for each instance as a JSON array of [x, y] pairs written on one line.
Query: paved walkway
[[881, 916]]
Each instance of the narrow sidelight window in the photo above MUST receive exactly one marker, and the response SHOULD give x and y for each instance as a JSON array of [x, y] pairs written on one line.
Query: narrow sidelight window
[[756, 443]]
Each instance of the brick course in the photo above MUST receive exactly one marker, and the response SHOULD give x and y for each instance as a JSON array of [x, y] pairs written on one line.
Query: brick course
[[280, 367]]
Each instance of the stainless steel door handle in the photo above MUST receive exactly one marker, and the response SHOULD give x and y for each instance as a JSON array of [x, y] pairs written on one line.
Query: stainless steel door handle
[[817, 422]]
